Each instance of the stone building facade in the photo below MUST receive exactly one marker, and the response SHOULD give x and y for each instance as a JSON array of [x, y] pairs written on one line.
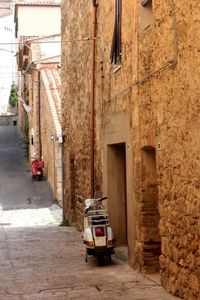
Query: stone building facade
[[51, 134], [44, 119], [8, 120], [146, 124], [40, 101]]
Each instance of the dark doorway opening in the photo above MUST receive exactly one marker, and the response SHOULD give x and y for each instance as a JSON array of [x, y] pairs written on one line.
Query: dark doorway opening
[[117, 199], [149, 213]]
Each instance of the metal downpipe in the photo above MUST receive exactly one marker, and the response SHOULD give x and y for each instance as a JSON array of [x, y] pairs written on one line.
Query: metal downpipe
[[92, 125]]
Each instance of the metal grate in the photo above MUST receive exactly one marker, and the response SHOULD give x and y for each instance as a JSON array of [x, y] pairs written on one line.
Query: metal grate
[[98, 218]]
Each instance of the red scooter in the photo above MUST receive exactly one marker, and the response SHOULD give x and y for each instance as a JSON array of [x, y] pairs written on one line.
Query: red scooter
[[37, 167]]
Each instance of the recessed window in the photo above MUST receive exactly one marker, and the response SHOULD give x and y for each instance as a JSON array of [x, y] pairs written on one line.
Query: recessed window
[[115, 54], [146, 14], [146, 3]]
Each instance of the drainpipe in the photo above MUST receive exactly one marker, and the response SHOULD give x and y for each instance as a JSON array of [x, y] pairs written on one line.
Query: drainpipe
[[39, 115], [54, 165], [92, 136], [63, 180]]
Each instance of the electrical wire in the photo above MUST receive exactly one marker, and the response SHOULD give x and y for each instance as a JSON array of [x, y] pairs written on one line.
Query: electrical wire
[[1, 49], [141, 81], [84, 39]]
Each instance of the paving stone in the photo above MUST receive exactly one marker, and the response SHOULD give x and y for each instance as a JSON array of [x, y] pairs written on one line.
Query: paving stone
[[40, 260]]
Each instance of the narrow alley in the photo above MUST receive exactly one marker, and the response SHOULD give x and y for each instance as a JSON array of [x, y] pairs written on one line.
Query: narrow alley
[[41, 260], [99, 150]]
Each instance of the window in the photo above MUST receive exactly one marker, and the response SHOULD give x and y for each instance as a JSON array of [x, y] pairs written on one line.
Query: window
[[146, 14], [115, 55], [16, 26], [146, 3]]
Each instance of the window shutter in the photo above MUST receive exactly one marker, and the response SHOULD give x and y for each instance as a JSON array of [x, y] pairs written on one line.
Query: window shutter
[[115, 55]]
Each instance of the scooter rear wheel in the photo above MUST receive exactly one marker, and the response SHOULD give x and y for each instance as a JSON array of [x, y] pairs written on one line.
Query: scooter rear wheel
[[100, 259]]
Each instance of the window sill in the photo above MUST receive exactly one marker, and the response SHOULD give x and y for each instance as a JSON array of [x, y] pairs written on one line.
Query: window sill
[[117, 68]]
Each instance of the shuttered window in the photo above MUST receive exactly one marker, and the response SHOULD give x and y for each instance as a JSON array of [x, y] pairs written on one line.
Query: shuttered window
[[146, 14], [115, 55]]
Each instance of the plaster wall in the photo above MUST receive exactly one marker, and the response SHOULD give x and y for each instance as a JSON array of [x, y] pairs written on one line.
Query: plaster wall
[[28, 26]]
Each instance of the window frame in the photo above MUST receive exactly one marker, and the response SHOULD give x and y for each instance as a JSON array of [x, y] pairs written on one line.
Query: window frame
[[146, 3], [115, 54]]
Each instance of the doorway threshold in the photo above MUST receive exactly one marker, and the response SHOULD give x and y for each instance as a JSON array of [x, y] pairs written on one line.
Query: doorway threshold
[[154, 278], [122, 253]]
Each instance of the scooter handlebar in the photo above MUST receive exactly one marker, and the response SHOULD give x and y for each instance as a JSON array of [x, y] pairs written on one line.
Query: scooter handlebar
[[89, 203], [103, 198]]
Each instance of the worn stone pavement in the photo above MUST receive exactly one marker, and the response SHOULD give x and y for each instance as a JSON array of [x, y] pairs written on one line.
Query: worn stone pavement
[[47, 262], [39, 260]]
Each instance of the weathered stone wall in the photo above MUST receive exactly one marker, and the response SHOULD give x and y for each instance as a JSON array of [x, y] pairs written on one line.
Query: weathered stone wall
[[76, 92], [22, 114], [51, 149], [8, 120], [169, 109], [154, 96], [33, 116], [114, 112]]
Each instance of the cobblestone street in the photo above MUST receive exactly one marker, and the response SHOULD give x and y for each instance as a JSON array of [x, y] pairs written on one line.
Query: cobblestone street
[[47, 262], [39, 260]]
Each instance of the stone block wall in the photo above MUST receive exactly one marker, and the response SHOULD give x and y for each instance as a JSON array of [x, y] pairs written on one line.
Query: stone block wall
[[156, 86], [168, 52], [76, 91], [33, 116], [6, 120], [51, 148]]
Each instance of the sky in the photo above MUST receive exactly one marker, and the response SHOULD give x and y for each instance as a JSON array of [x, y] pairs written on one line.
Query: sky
[[7, 59]]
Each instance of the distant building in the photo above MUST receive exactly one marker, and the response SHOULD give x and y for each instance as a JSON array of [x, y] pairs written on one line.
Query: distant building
[[37, 18], [40, 84], [8, 73]]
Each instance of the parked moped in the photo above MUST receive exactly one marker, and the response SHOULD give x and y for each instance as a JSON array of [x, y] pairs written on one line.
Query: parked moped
[[98, 235], [37, 167]]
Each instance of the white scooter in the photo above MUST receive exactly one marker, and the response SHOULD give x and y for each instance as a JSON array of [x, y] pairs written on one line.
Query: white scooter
[[98, 235]]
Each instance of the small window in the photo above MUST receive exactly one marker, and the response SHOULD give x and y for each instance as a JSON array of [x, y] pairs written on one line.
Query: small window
[[146, 3], [16, 27], [146, 14], [115, 55]]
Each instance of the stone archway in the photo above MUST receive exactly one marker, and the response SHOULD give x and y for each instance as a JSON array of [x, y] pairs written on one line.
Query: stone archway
[[149, 213]]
